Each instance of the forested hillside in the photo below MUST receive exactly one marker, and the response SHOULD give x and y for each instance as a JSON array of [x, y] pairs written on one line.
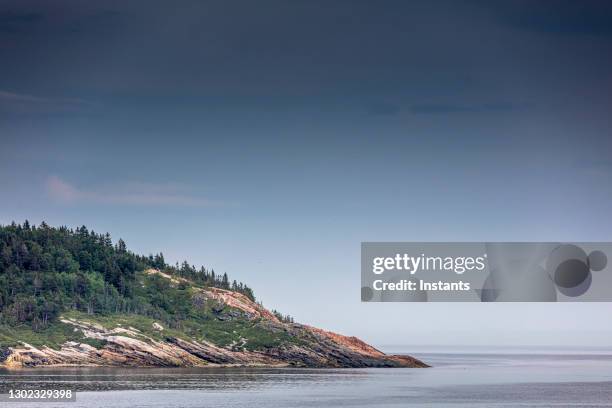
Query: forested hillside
[[45, 271]]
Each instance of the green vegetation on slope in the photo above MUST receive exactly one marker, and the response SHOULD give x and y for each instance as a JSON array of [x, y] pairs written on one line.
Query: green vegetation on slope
[[51, 273], [238, 334], [46, 271]]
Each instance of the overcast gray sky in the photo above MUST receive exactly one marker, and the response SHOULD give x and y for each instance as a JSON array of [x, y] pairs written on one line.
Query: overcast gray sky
[[268, 139]]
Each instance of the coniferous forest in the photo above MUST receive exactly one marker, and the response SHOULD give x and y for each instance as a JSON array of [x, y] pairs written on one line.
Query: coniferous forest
[[45, 271]]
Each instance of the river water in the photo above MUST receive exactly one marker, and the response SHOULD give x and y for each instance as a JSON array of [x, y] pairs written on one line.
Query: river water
[[457, 380]]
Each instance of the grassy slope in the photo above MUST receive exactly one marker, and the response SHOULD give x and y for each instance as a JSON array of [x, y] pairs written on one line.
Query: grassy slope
[[209, 321]]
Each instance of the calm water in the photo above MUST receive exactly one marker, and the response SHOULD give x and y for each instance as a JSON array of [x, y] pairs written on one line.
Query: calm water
[[457, 380]]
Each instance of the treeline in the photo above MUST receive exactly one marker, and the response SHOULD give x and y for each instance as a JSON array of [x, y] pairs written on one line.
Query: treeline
[[45, 270], [282, 317]]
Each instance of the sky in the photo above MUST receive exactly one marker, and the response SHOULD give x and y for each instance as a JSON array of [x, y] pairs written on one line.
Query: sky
[[269, 139]]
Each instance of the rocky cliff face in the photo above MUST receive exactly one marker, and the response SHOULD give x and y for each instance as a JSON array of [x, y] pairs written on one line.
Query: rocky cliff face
[[128, 346]]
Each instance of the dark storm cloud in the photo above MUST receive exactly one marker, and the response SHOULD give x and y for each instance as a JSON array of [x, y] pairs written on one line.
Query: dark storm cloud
[[12, 22], [334, 55], [567, 17], [53, 18], [11, 17]]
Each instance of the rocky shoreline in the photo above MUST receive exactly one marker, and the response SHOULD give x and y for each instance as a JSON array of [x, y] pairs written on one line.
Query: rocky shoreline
[[127, 347]]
